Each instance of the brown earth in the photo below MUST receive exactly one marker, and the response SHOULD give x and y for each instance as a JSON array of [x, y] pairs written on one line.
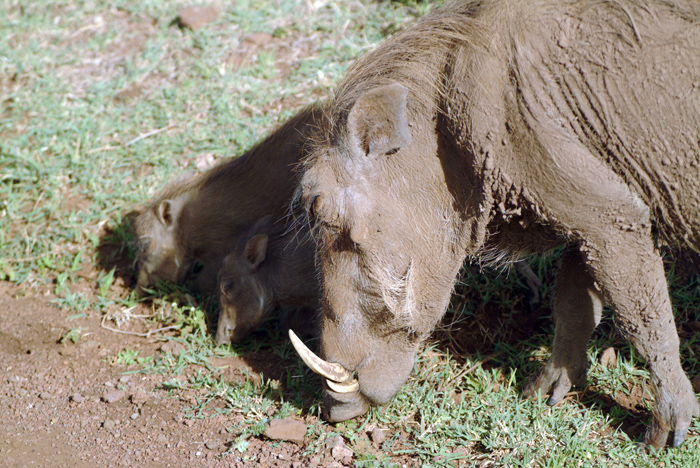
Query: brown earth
[[67, 404]]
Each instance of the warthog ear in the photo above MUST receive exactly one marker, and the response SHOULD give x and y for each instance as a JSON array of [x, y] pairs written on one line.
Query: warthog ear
[[168, 212], [377, 123], [255, 249]]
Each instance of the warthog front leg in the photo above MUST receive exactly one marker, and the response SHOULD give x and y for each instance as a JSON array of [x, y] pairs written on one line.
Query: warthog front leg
[[577, 309], [632, 277]]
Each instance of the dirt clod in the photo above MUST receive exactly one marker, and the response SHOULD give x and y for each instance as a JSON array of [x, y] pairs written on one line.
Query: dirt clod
[[113, 396], [197, 16], [286, 429], [173, 347], [335, 441], [608, 358], [140, 397], [378, 436], [110, 424], [342, 453]]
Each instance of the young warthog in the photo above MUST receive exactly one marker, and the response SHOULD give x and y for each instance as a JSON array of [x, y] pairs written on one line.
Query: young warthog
[[272, 266], [514, 125], [196, 221]]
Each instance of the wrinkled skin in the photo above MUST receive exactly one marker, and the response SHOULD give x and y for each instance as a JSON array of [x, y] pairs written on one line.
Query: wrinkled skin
[[189, 228], [271, 267], [511, 126]]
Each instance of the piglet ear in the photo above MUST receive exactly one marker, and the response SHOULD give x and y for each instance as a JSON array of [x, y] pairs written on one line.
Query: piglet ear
[[168, 213], [377, 123], [255, 250]]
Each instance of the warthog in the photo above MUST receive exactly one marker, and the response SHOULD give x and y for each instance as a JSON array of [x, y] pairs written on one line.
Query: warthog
[[509, 125], [196, 221], [271, 267]]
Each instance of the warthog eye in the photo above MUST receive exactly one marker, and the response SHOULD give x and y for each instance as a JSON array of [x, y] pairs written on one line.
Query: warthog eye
[[227, 286], [315, 204]]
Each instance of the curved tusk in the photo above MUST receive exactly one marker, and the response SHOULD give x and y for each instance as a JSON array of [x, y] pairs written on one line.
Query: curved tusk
[[349, 387], [330, 370]]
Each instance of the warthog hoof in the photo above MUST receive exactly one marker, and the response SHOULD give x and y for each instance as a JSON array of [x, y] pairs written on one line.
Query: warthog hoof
[[554, 380], [659, 438]]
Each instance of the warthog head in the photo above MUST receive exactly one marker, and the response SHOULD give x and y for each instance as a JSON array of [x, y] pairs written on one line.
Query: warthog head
[[243, 298], [160, 256], [388, 246]]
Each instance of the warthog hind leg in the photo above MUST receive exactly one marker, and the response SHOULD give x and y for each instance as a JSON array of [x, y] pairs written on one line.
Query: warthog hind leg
[[577, 309]]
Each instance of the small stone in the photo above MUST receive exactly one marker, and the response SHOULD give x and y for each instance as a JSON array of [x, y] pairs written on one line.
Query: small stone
[[134, 416], [197, 16], [66, 351], [696, 383], [285, 429], [114, 396], [45, 396], [173, 347], [110, 424], [124, 379], [335, 441], [608, 358], [188, 422], [378, 436], [341, 453], [139, 397], [76, 397], [212, 444]]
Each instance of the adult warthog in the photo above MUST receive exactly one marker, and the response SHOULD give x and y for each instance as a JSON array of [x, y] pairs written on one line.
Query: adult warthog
[[517, 126]]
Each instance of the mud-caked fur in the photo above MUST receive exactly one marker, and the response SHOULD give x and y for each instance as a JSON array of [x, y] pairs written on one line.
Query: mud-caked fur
[[194, 222], [511, 126], [271, 267]]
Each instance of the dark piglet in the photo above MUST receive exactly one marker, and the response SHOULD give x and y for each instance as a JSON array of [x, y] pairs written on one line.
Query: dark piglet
[[271, 267]]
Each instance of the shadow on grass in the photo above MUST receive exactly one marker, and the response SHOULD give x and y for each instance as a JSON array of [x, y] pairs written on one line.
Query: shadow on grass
[[117, 249]]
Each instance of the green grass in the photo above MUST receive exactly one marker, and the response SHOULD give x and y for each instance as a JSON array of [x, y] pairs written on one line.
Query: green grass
[[77, 155]]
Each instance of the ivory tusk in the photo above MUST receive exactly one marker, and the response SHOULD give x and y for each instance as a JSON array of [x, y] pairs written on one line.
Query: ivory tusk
[[330, 370], [349, 387]]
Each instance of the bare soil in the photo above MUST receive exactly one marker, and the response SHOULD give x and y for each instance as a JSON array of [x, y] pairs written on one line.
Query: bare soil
[[69, 404]]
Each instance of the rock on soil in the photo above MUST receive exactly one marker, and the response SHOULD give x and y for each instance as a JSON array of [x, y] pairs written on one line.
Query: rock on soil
[[113, 396], [197, 16], [378, 436], [608, 358], [286, 429], [140, 397]]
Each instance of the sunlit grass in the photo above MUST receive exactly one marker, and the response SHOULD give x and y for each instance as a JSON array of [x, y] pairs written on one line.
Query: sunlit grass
[[102, 103]]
